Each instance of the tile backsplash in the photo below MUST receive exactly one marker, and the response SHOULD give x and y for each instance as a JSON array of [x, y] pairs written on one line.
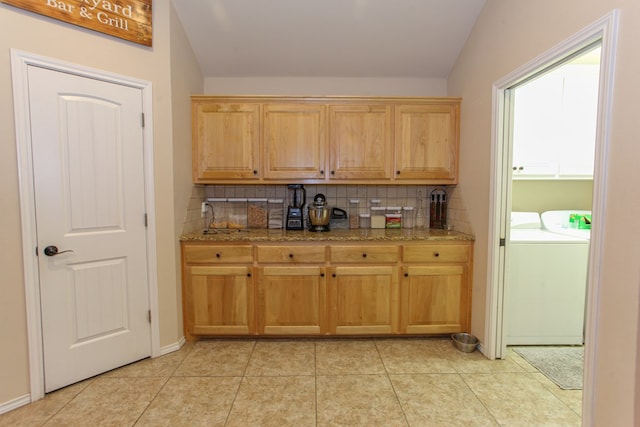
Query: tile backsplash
[[337, 196]]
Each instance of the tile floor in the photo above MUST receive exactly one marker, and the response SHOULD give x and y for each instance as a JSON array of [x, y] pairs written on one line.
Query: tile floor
[[347, 382]]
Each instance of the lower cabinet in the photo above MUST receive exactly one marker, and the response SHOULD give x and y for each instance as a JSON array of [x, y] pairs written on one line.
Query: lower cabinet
[[291, 300], [311, 289], [218, 300], [363, 300]]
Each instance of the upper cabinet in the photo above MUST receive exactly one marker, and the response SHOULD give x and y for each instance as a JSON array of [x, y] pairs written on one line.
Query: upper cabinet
[[426, 142], [346, 140], [226, 141], [294, 141], [360, 142]]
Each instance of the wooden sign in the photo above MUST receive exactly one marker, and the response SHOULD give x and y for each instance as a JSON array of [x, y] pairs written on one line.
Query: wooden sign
[[127, 19]]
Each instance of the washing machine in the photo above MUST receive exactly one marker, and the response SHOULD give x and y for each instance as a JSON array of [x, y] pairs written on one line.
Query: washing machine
[[546, 281]]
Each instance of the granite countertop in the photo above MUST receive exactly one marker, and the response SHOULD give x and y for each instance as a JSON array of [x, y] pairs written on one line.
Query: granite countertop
[[272, 235]]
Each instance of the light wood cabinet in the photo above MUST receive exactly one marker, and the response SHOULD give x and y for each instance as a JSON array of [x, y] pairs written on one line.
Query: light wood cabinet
[[218, 290], [291, 300], [226, 141], [360, 142], [326, 288], [372, 140], [435, 288], [426, 142], [294, 141]]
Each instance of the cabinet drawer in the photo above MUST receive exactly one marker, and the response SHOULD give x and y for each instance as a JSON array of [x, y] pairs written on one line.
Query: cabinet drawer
[[210, 254], [436, 253], [290, 254], [364, 254]]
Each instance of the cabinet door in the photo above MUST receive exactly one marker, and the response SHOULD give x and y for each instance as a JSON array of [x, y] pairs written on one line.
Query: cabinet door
[[225, 141], [434, 300], [294, 141], [219, 300], [426, 142], [364, 300], [291, 300], [360, 141]]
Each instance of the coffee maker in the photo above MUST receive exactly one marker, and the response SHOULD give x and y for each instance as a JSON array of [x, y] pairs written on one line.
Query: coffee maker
[[297, 198]]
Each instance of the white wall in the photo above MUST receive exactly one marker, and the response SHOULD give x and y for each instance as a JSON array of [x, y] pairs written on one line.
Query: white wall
[[47, 37], [325, 86], [508, 34]]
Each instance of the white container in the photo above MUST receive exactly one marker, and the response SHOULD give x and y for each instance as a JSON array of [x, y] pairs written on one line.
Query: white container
[[377, 216], [365, 220]]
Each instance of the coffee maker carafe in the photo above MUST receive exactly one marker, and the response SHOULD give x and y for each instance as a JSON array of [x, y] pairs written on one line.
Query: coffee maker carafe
[[297, 198]]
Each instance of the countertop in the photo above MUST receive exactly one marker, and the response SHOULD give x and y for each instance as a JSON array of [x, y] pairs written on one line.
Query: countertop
[[277, 235]]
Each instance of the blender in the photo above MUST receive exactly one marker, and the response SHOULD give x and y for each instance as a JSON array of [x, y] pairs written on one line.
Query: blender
[[297, 199]]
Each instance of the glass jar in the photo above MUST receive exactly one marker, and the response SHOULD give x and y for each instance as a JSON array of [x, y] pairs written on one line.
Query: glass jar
[[276, 213], [237, 213], [365, 220], [420, 218], [407, 217], [257, 213], [354, 211]]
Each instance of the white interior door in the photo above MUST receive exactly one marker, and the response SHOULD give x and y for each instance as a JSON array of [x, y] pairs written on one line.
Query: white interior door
[[87, 142]]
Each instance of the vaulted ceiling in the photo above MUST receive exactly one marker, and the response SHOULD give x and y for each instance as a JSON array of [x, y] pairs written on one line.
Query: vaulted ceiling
[[327, 38]]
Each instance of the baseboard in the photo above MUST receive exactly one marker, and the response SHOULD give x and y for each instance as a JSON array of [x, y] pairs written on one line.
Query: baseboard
[[15, 403], [172, 347]]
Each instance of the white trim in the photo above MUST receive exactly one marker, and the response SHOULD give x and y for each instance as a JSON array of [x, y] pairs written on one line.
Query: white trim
[[20, 61], [172, 347], [605, 29], [14, 403]]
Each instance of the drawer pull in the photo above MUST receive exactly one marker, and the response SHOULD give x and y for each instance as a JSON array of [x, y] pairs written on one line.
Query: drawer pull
[[218, 255], [333, 275], [436, 254], [290, 255], [364, 255], [406, 274], [321, 274], [255, 172], [248, 274], [321, 171]]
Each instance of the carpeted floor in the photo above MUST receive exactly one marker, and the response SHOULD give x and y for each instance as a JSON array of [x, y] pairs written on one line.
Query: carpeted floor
[[561, 364]]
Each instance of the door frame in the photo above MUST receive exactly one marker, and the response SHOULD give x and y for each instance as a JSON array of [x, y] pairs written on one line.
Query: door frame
[[20, 61], [606, 30]]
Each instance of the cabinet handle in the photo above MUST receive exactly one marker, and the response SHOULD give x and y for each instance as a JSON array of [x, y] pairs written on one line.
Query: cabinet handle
[[364, 255], [248, 274], [321, 274], [322, 172], [255, 172], [406, 274], [397, 172], [515, 168], [333, 172], [521, 168], [290, 255], [436, 254], [218, 255], [333, 275]]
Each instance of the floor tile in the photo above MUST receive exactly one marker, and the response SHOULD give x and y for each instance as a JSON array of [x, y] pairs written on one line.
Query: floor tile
[[347, 357], [408, 356], [163, 366], [438, 400], [520, 361], [274, 401], [109, 401], [282, 358], [520, 400], [192, 401], [216, 358], [571, 398], [38, 412], [358, 400], [476, 362]]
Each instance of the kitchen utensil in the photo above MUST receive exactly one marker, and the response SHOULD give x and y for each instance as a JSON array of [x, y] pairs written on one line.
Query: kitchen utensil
[[319, 214], [297, 199], [339, 219]]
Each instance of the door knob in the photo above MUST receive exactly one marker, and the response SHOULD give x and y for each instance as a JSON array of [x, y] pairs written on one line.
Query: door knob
[[53, 250]]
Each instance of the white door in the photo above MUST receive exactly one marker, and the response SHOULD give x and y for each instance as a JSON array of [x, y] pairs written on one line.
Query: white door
[[87, 141]]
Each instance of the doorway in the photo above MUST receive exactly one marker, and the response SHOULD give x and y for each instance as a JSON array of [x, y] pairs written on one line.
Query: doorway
[[86, 182], [604, 31]]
